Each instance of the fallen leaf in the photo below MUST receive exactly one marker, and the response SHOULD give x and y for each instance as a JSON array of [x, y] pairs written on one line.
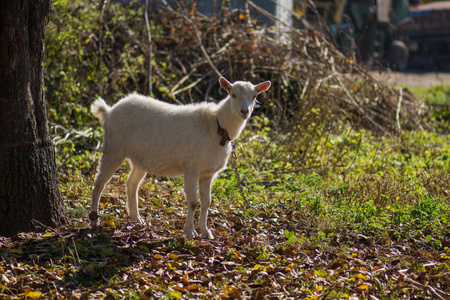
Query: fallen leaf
[[16, 251], [321, 273], [33, 295], [110, 223], [173, 256], [176, 294], [180, 288], [365, 286]]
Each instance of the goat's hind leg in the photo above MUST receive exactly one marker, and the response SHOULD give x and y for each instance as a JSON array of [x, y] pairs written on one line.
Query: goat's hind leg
[[133, 183], [108, 165]]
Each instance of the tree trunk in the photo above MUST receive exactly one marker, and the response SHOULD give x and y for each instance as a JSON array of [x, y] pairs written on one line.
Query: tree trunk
[[29, 185]]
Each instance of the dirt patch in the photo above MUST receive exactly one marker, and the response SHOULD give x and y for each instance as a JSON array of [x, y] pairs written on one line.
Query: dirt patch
[[425, 79]]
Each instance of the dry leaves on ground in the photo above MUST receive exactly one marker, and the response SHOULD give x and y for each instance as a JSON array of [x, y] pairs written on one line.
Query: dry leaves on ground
[[251, 258]]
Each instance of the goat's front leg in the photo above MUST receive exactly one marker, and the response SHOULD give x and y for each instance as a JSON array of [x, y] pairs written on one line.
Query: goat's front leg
[[190, 191], [133, 183], [205, 198]]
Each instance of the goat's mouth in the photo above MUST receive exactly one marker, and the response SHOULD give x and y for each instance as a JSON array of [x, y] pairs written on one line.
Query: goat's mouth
[[244, 115]]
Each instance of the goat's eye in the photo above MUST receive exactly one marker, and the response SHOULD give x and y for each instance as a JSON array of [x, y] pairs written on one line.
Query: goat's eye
[[233, 95]]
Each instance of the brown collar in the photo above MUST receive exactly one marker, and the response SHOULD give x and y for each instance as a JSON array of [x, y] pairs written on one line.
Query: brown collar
[[223, 133]]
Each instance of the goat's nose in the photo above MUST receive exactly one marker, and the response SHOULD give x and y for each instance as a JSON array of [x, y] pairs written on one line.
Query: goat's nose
[[244, 112]]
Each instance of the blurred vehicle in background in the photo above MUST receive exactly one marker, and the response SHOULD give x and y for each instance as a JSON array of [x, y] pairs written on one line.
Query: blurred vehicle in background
[[398, 33], [428, 33]]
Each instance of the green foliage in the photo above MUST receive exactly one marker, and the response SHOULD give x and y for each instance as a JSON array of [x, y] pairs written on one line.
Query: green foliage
[[438, 99], [438, 94], [355, 179], [290, 237], [91, 51]]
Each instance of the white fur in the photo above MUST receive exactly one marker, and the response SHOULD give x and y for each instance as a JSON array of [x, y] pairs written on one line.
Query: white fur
[[171, 140]]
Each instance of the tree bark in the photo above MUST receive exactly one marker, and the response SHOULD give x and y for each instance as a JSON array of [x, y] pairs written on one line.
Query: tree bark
[[29, 185]]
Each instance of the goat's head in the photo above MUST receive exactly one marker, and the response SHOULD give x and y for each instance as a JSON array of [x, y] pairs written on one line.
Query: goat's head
[[243, 95]]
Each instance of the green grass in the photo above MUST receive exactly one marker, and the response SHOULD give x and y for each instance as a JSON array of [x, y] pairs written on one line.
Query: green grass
[[438, 94], [399, 183], [437, 98]]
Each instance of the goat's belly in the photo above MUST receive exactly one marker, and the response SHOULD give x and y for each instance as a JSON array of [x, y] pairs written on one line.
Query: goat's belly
[[167, 169], [158, 166], [176, 160]]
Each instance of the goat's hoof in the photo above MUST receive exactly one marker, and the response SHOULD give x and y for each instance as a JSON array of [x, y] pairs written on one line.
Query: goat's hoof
[[94, 218], [208, 234], [190, 234], [138, 220]]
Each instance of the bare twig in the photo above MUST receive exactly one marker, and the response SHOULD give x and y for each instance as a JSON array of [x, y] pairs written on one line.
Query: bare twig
[[397, 115], [182, 80], [37, 224], [432, 290], [190, 86], [199, 40], [100, 46], [150, 49]]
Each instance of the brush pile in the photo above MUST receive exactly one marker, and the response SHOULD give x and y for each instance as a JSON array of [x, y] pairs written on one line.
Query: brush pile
[[315, 87], [313, 82]]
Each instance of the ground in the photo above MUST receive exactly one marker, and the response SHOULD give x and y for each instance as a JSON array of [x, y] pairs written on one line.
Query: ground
[[414, 78]]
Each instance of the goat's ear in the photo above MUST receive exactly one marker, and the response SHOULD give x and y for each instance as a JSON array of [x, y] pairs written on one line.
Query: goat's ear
[[263, 86], [225, 84]]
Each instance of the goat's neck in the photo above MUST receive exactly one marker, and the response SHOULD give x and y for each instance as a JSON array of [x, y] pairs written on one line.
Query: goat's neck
[[228, 120]]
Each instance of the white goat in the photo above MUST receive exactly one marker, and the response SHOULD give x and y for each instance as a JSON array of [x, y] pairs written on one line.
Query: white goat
[[171, 140]]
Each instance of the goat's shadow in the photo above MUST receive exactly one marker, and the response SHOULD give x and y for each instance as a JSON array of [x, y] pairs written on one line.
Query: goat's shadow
[[87, 257]]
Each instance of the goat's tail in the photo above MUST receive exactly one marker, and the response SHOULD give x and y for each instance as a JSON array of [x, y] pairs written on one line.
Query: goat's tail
[[100, 109]]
